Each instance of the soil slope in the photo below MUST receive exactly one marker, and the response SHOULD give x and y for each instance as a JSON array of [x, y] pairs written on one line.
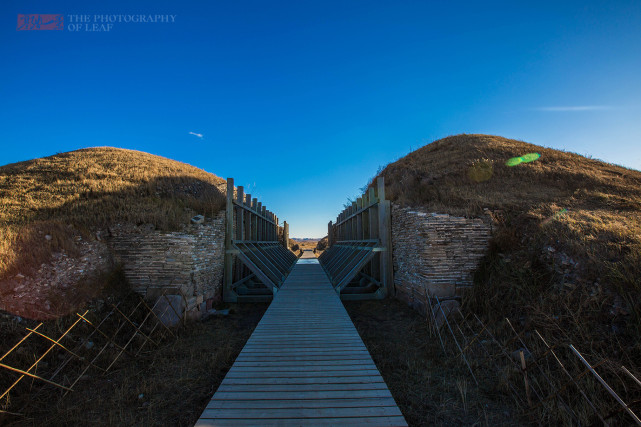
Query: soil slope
[[56, 209], [566, 252]]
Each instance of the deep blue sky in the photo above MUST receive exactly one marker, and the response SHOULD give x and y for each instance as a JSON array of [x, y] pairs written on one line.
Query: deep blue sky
[[304, 100]]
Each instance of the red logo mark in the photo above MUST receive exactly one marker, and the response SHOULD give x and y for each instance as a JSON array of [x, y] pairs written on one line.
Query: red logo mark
[[40, 22]]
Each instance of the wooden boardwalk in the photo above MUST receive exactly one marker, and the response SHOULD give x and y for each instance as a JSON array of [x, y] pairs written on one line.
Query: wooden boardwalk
[[305, 364]]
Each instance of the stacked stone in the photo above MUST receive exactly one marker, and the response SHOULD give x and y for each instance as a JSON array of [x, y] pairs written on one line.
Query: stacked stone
[[435, 253], [188, 262]]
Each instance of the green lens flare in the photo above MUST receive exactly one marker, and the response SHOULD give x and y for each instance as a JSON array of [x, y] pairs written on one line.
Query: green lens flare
[[514, 161], [529, 157]]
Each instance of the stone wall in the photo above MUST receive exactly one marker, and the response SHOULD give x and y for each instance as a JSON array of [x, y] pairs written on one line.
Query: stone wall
[[188, 262], [437, 253]]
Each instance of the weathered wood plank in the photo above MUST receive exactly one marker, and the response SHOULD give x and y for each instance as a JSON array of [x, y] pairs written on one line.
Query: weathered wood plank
[[285, 413], [300, 403], [299, 373], [304, 351], [360, 421], [300, 394], [363, 379], [305, 364]]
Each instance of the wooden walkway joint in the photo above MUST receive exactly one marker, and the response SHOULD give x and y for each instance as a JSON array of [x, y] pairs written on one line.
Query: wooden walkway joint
[[305, 364]]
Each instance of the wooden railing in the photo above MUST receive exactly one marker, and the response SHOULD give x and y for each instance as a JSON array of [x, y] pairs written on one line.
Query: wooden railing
[[359, 258], [256, 262]]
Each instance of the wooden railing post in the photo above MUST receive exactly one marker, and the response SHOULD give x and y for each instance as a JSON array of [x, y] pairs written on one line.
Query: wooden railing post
[[228, 293], [248, 219], [330, 232], [385, 236], [359, 220], [254, 234], [240, 218], [263, 212], [259, 222], [286, 234], [240, 228]]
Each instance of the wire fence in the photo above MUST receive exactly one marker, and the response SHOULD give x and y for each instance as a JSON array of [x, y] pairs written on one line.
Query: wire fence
[[554, 383], [51, 358]]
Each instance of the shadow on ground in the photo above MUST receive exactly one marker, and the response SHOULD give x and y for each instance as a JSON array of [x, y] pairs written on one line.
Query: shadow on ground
[[428, 388], [170, 386]]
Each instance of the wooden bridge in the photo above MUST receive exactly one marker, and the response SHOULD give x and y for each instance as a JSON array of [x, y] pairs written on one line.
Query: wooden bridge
[[305, 364], [358, 262]]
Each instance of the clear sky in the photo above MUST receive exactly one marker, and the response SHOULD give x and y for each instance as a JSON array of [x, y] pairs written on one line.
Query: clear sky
[[302, 101]]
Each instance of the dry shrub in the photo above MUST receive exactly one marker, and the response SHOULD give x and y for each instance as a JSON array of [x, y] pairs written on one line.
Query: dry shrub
[[168, 384], [322, 244], [565, 255]]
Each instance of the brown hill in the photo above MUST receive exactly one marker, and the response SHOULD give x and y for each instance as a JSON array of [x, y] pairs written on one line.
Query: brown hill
[[62, 196], [567, 240]]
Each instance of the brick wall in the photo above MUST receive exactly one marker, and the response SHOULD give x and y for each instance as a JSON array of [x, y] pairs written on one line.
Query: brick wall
[[188, 262], [437, 253]]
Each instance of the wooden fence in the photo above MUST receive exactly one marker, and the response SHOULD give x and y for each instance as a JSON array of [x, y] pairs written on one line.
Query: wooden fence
[[359, 258], [57, 355], [550, 382], [256, 262]]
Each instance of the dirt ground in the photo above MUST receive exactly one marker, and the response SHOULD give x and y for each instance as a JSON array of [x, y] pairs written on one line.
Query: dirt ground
[[307, 244], [170, 387], [428, 388]]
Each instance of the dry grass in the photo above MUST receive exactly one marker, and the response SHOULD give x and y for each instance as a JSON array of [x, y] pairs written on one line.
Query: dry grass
[[294, 246], [428, 388], [79, 191], [307, 244], [167, 385], [321, 245], [566, 253], [465, 173]]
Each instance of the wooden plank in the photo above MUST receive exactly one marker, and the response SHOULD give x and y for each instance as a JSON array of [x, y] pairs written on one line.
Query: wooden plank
[[280, 367], [361, 357], [319, 348], [299, 373], [328, 346], [302, 355], [285, 413], [273, 388], [299, 394], [353, 348], [290, 379], [359, 421], [299, 403], [304, 364], [267, 334], [328, 364]]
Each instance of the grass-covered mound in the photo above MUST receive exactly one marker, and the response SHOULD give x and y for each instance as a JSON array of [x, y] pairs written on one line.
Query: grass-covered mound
[[566, 252], [79, 191]]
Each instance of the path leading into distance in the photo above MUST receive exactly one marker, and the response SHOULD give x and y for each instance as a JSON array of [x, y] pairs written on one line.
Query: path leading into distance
[[305, 364]]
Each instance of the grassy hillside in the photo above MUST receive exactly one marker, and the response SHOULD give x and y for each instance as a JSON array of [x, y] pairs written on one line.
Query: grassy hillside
[[567, 240], [321, 245], [79, 191]]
